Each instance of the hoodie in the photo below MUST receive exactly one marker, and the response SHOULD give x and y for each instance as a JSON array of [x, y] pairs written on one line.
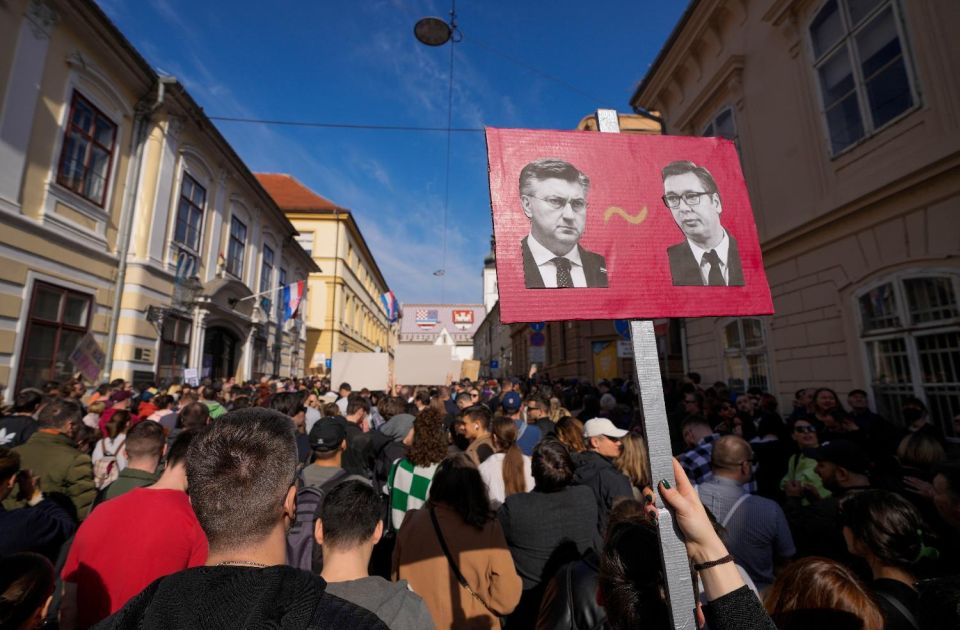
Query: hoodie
[[393, 602], [240, 597], [600, 475]]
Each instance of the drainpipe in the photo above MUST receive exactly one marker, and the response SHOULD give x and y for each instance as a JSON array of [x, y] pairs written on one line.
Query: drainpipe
[[144, 111]]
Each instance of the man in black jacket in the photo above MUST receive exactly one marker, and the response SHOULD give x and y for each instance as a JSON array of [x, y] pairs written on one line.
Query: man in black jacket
[[242, 475], [595, 467]]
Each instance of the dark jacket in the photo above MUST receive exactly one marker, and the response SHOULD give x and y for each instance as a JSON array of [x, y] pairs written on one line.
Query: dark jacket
[[240, 597], [42, 528], [570, 599], [546, 530], [62, 468], [594, 269], [686, 272], [600, 475], [15, 430]]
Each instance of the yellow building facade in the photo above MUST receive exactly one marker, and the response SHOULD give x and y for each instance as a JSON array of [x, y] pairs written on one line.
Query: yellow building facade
[[125, 214], [343, 312]]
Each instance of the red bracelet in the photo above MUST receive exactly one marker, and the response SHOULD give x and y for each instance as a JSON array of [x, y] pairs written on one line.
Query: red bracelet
[[707, 565]]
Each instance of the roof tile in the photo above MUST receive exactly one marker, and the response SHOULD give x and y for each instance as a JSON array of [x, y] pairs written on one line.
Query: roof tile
[[290, 194]]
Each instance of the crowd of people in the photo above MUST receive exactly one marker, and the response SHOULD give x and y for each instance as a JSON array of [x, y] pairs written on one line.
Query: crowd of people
[[482, 504]]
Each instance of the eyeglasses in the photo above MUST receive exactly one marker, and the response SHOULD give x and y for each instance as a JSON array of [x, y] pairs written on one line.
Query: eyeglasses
[[672, 200], [804, 429], [558, 203]]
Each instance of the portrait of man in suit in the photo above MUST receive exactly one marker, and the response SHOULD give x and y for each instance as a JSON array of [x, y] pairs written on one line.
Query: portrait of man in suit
[[553, 194], [709, 255]]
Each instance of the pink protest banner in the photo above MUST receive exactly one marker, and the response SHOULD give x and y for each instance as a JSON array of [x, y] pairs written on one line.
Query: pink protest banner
[[620, 226]]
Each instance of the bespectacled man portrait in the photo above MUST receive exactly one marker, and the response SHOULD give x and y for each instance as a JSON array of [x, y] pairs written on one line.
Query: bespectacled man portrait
[[553, 194], [709, 255]]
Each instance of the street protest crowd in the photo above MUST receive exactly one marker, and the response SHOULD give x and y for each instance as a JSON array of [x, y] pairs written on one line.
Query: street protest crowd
[[493, 503]]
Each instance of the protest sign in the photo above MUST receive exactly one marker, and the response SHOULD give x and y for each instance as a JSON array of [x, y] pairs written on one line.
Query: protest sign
[[361, 369], [470, 369], [616, 226], [88, 357], [191, 377], [425, 365]]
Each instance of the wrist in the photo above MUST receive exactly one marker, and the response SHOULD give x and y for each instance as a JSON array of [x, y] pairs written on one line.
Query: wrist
[[35, 499], [708, 551]]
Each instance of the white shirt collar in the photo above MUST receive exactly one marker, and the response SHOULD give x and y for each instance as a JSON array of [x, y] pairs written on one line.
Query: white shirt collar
[[722, 249], [542, 255]]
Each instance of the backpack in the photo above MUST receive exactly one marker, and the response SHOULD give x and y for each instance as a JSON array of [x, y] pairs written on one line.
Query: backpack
[[302, 550], [106, 470]]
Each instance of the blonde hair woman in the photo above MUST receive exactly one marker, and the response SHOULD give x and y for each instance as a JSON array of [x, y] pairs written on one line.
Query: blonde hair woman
[[634, 463]]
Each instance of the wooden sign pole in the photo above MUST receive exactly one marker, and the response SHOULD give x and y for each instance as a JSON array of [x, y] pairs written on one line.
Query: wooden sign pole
[[676, 565]]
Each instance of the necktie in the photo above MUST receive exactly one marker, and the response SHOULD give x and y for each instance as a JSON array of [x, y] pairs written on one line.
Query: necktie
[[564, 281], [715, 277]]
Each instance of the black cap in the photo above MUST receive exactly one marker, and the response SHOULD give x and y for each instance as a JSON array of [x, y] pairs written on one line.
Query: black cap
[[327, 435], [845, 454]]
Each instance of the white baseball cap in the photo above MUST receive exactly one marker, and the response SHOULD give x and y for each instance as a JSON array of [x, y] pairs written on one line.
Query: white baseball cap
[[602, 426]]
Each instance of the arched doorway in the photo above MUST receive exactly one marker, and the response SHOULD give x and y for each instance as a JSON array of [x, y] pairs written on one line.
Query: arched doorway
[[221, 347]]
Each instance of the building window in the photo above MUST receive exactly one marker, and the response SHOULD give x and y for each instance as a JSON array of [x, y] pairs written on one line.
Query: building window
[[722, 126], [910, 328], [57, 320], [862, 68], [174, 348], [88, 145], [261, 356], [280, 305], [238, 243], [266, 277], [186, 233], [745, 355], [306, 242]]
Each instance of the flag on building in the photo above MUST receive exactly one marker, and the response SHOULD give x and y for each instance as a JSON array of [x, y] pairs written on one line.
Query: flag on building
[[390, 306], [292, 296], [427, 317]]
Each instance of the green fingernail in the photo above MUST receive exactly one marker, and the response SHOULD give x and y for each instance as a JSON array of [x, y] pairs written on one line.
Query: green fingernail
[[665, 483]]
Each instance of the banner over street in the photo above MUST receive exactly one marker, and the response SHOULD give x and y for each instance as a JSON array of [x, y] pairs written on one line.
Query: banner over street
[[619, 226]]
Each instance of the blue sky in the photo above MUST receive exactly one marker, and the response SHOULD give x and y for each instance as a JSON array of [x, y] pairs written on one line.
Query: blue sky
[[357, 62]]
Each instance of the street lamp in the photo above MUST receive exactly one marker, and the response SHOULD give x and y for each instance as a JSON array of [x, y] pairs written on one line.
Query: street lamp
[[432, 31]]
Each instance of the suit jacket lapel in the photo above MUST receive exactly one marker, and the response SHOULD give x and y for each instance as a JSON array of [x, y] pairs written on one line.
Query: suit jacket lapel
[[531, 273], [734, 266]]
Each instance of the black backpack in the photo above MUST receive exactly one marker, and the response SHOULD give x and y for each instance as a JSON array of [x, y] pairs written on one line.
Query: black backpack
[[302, 550]]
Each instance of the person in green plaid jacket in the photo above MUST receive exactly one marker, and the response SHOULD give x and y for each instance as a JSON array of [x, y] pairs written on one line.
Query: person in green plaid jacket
[[409, 481]]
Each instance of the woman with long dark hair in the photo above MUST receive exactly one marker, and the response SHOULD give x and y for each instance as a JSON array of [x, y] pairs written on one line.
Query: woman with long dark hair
[[886, 530], [508, 470], [453, 553]]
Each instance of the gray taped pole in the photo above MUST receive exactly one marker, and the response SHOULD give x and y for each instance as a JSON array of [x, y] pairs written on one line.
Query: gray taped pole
[[676, 566]]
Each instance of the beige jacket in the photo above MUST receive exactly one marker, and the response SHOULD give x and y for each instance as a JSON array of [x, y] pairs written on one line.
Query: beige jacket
[[482, 556]]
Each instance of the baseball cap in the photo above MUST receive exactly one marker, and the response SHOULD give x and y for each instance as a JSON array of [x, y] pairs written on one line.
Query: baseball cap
[[146, 395], [511, 402], [845, 454], [327, 435], [602, 426]]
